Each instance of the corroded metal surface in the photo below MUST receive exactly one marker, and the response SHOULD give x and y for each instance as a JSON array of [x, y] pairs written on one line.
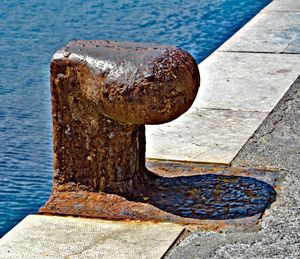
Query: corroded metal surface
[[212, 191], [114, 207], [175, 169], [131, 82], [212, 197], [102, 95]]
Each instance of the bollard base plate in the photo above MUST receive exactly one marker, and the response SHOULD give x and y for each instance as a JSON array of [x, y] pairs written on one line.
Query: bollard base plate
[[209, 196]]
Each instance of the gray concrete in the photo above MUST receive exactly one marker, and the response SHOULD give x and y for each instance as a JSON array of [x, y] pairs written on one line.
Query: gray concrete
[[277, 141], [275, 144], [66, 237]]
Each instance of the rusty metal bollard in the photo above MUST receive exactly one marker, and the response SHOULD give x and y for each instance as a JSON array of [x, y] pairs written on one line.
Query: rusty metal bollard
[[103, 93]]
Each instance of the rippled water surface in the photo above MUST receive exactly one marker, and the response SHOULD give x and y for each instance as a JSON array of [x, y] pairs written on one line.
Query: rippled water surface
[[30, 31]]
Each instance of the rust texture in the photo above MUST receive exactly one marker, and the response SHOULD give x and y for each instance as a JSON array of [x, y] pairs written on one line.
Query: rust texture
[[103, 93], [211, 197]]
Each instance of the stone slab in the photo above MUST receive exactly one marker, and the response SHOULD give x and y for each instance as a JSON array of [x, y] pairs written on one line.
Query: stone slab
[[245, 81], [65, 237], [202, 135], [284, 6], [267, 32]]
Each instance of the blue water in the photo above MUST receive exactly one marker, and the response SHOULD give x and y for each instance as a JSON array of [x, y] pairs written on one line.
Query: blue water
[[30, 31]]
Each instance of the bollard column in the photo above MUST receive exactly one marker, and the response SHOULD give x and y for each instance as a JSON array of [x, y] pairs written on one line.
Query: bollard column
[[103, 93]]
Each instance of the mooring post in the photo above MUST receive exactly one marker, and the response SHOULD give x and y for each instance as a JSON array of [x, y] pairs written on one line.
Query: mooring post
[[103, 93]]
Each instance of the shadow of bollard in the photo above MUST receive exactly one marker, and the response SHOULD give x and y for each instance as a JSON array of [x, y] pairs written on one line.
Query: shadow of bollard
[[209, 196]]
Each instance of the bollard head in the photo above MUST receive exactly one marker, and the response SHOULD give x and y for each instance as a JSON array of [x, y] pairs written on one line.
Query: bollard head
[[133, 82]]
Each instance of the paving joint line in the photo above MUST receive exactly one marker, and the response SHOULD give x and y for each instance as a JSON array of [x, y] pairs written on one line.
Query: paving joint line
[[182, 235], [260, 52], [277, 11], [231, 110]]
